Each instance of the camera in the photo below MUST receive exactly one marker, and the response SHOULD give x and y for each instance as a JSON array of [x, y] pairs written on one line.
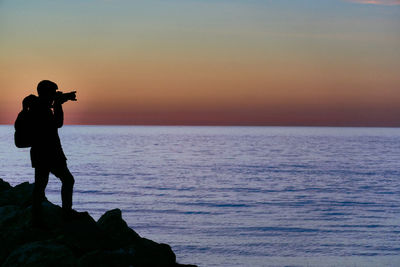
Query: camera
[[64, 97]]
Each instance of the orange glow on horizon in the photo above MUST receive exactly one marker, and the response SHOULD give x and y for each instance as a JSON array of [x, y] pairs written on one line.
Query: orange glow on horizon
[[259, 63]]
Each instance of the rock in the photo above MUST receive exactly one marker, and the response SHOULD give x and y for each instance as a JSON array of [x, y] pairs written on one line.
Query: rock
[[7, 213], [41, 254], [20, 195], [16, 218], [117, 258], [112, 223], [13, 216], [76, 240], [13, 236], [148, 252], [4, 185], [52, 214], [83, 235]]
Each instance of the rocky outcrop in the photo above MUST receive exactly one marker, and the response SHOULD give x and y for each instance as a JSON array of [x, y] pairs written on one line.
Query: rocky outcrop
[[76, 242]]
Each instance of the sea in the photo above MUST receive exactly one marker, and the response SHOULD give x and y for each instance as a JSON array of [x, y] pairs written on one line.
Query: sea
[[238, 196]]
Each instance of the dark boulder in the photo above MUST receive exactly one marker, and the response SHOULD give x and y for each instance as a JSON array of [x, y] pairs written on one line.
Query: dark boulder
[[4, 185], [7, 213], [70, 241], [148, 252], [41, 253], [20, 195], [116, 258], [13, 238], [116, 228], [83, 235]]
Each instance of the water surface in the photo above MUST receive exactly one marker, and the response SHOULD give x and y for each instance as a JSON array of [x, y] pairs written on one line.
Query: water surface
[[238, 196]]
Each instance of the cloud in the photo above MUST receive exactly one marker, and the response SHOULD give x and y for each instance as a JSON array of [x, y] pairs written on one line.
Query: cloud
[[377, 2]]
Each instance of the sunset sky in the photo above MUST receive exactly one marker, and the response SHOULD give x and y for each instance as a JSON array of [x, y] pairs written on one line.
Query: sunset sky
[[206, 62]]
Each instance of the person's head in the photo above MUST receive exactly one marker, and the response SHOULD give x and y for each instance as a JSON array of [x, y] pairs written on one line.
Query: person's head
[[47, 90]]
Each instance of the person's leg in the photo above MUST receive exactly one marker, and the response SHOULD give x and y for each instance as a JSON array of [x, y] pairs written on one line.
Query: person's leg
[[41, 180], [67, 181]]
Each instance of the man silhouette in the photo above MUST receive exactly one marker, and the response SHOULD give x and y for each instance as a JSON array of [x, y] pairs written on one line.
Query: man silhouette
[[47, 155]]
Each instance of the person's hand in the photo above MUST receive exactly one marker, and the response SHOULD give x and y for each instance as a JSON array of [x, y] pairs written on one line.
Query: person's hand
[[59, 99]]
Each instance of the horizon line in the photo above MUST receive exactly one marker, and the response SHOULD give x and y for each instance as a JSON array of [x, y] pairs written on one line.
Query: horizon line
[[232, 125]]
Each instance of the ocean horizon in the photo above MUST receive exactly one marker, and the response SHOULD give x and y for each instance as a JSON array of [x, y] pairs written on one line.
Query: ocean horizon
[[238, 195]]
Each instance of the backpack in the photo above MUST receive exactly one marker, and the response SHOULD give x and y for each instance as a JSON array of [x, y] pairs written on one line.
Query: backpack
[[24, 125]]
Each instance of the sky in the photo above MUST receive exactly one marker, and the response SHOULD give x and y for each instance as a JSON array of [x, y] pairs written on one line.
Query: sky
[[206, 62]]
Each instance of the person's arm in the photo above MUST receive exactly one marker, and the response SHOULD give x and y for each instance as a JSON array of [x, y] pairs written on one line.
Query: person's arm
[[58, 114]]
